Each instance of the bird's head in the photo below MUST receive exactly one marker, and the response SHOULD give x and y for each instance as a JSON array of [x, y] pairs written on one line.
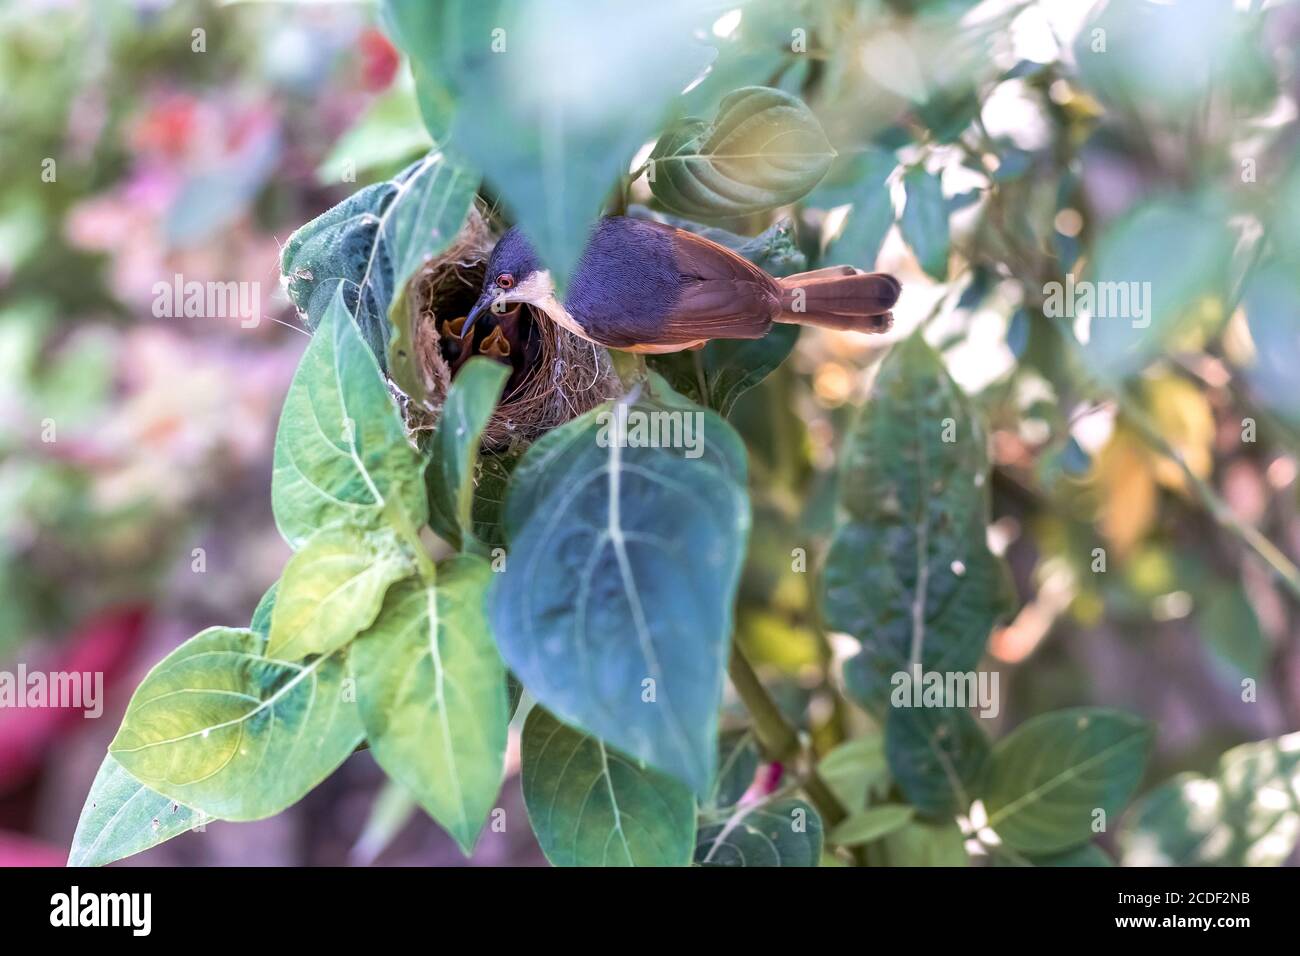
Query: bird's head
[[514, 274]]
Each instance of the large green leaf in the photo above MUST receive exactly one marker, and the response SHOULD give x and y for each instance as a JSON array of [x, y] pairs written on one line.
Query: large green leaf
[[615, 607], [221, 728], [341, 451], [331, 590], [449, 477], [593, 806], [784, 832], [764, 149], [937, 755], [369, 245], [924, 222], [553, 99], [432, 694], [1050, 776], [909, 572], [1247, 814], [122, 817]]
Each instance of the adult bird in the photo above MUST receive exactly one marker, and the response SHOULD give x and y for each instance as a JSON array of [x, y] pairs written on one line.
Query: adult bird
[[643, 286]]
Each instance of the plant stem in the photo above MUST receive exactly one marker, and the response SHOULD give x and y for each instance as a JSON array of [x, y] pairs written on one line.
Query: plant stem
[[779, 740]]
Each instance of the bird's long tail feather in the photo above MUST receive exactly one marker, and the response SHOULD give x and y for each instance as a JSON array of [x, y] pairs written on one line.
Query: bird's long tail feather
[[839, 297]]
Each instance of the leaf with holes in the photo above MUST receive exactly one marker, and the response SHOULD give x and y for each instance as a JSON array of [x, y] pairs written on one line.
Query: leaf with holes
[[122, 817], [432, 694], [449, 477], [219, 727], [341, 452], [1048, 779], [368, 246], [777, 833], [332, 589], [764, 149], [593, 806], [909, 572], [615, 606]]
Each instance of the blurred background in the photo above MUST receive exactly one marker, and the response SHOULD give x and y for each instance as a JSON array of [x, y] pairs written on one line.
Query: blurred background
[[141, 139]]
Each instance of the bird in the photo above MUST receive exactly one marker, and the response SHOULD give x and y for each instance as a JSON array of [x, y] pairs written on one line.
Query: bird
[[648, 287]]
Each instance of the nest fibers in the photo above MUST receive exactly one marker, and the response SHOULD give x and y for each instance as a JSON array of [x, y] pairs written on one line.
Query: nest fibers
[[554, 375]]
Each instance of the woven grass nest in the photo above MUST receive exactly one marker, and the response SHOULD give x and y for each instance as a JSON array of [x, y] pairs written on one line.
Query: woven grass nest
[[554, 375]]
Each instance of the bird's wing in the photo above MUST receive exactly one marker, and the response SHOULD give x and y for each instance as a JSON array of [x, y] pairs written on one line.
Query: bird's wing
[[722, 294]]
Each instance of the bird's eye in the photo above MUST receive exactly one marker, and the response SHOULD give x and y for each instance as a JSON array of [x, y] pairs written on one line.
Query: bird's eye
[[505, 280]]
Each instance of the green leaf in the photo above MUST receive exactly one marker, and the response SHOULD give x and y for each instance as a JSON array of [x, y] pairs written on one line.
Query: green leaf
[[592, 806], [738, 760], [615, 608], [1149, 271], [764, 149], [937, 755], [864, 826], [1047, 779], [488, 509], [924, 223], [856, 769], [449, 477], [221, 728], [341, 451], [859, 240], [1272, 305], [1087, 855], [909, 572], [369, 245], [1228, 625], [573, 90], [122, 817], [925, 844], [386, 134], [432, 694], [718, 374], [332, 589], [261, 621], [779, 833], [1246, 814]]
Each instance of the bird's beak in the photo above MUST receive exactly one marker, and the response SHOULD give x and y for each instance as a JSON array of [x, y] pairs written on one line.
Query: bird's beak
[[484, 303]]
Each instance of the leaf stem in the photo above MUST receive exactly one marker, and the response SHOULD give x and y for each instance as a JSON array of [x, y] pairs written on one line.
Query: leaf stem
[[778, 739]]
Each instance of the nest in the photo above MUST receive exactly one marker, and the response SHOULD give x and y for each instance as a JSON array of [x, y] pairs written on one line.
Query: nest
[[554, 375]]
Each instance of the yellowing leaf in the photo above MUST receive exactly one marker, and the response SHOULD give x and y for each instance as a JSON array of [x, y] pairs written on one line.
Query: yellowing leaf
[[1126, 489]]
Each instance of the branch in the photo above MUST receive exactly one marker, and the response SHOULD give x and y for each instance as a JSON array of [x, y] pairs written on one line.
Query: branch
[[778, 739]]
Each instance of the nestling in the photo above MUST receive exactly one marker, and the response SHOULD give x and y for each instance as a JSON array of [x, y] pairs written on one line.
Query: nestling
[[643, 286]]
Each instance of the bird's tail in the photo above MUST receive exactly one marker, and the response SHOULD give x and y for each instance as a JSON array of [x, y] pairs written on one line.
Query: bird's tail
[[839, 297]]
